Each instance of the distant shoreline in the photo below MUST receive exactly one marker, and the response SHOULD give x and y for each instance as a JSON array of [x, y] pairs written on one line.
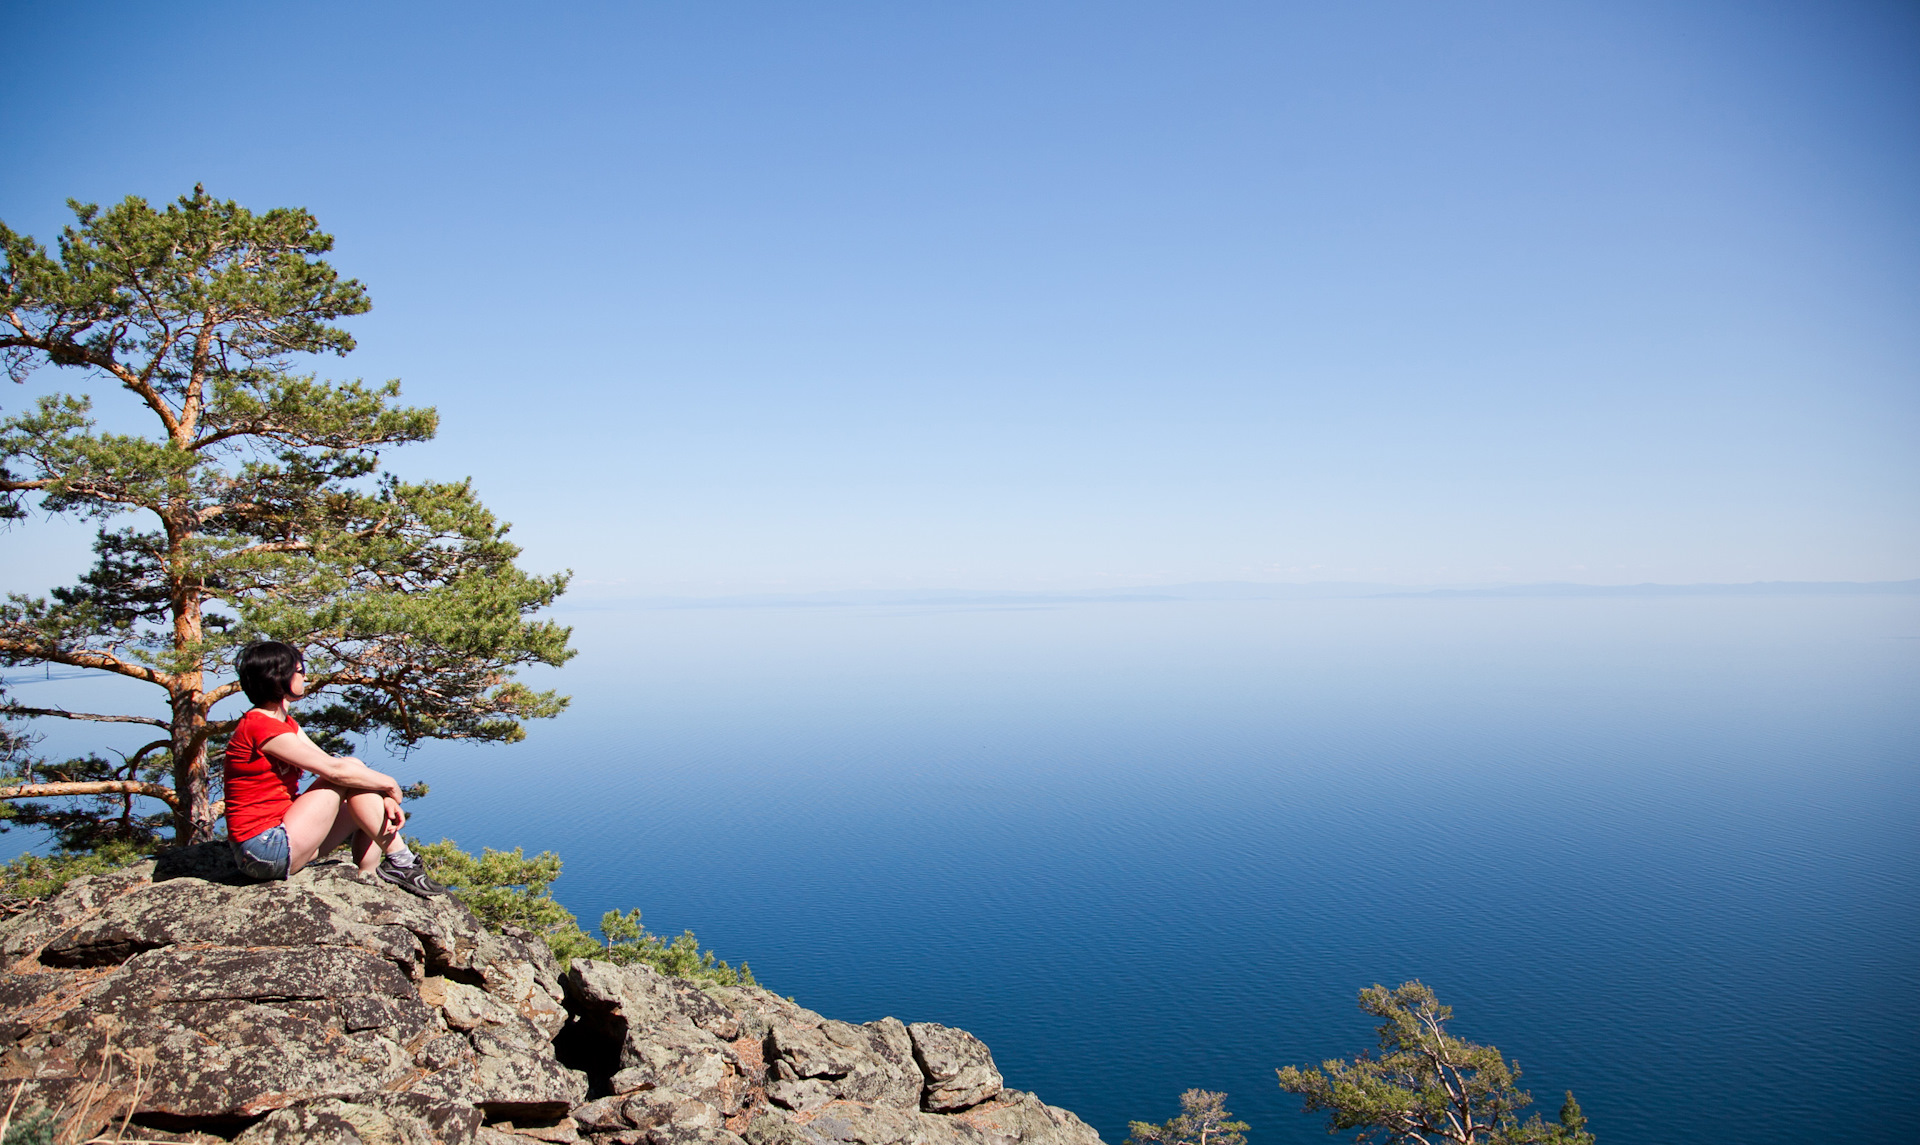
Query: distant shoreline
[[1232, 590], [1755, 588]]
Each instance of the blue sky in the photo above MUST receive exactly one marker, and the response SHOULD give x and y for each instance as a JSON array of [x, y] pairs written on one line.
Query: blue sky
[[722, 297]]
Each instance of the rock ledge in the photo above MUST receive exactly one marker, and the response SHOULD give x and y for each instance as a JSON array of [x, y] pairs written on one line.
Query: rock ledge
[[176, 999]]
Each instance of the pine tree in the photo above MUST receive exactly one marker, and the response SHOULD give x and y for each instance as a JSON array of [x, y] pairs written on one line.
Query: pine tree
[[258, 507], [1573, 1121], [92, 822], [1426, 1085], [1203, 1120]]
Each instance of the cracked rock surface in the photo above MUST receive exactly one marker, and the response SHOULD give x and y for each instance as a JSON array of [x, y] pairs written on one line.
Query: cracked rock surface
[[176, 998]]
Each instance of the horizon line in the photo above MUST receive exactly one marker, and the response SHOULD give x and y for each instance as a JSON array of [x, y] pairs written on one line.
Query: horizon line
[[1232, 590]]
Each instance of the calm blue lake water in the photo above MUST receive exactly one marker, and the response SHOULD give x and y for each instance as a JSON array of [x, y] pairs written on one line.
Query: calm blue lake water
[[1661, 851]]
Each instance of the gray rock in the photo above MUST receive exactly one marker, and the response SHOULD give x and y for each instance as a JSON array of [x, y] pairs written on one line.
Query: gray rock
[[656, 1023], [836, 1061], [512, 973], [469, 1007], [327, 904], [662, 1108], [509, 1080], [215, 999], [187, 912], [959, 1068], [331, 1008], [602, 1115], [443, 1052], [645, 996], [445, 1121], [25, 933], [667, 1059], [758, 1011], [1016, 1117], [702, 1135], [158, 977], [388, 1119], [202, 1060], [526, 1132], [770, 1129], [1012, 1119], [868, 1125], [324, 1123]]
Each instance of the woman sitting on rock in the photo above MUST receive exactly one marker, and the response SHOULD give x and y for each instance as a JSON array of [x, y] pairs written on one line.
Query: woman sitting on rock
[[275, 833]]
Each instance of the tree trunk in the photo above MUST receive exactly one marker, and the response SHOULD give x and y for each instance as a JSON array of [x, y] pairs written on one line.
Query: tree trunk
[[192, 816], [192, 813]]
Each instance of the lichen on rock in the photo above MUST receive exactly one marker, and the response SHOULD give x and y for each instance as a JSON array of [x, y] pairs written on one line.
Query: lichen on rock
[[177, 998]]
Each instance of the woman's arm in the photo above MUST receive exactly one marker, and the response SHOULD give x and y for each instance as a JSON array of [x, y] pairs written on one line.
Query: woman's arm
[[340, 770]]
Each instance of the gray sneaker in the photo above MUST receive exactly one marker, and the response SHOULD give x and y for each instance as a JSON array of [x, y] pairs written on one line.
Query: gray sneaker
[[413, 878]]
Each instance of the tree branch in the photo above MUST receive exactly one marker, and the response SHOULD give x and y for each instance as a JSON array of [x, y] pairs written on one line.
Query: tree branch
[[197, 383], [212, 511], [100, 787], [142, 385], [266, 429], [103, 491], [134, 759], [62, 713], [83, 658], [275, 547], [77, 354]]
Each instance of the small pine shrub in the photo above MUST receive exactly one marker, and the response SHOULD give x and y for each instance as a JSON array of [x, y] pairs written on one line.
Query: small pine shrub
[[33, 1128], [1203, 1120], [42, 876], [506, 888], [628, 942]]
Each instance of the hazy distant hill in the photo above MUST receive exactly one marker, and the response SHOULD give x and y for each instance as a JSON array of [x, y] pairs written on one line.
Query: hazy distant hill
[[1757, 588], [1235, 590]]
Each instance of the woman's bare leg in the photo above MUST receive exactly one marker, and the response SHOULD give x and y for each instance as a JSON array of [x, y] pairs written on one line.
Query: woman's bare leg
[[365, 816], [346, 825], [324, 815], [366, 850]]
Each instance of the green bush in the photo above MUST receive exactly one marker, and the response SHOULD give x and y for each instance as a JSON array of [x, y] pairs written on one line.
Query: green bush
[[506, 888], [34, 1128], [41, 876], [628, 942], [1203, 1120]]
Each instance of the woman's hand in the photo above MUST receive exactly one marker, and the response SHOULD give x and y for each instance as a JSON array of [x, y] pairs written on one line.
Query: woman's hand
[[387, 786]]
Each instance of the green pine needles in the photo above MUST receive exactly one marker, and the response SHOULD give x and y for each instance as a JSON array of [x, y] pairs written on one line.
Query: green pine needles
[[29, 1127], [1203, 1120], [627, 942], [506, 888], [1427, 1086], [43, 876], [252, 506]]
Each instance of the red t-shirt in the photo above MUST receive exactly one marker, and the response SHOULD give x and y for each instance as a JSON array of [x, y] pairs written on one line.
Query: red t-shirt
[[259, 787]]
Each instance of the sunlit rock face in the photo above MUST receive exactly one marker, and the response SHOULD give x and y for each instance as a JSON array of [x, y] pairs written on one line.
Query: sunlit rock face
[[176, 998]]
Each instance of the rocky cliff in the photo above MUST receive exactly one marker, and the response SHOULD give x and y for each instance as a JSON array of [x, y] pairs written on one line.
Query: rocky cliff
[[172, 1001]]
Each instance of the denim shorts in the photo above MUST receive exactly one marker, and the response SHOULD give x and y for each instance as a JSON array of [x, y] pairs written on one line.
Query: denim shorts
[[264, 856]]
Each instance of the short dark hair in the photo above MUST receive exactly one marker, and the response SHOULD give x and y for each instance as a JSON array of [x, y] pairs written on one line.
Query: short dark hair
[[266, 669]]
